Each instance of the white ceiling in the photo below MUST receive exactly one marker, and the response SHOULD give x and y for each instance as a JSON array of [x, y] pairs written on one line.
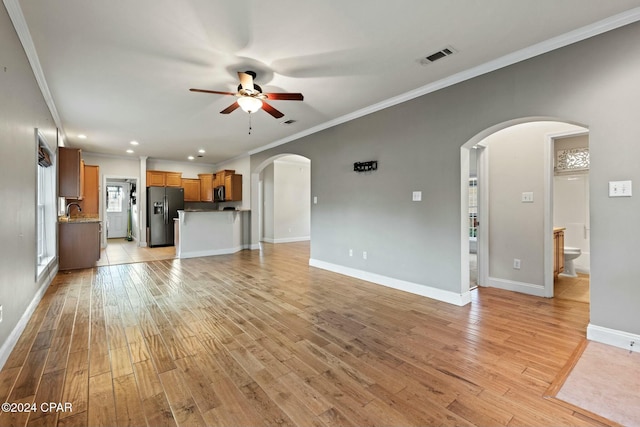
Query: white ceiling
[[121, 70]]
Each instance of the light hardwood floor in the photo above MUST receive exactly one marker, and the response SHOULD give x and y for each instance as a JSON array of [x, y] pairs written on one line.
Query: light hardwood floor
[[121, 251], [260, 338]]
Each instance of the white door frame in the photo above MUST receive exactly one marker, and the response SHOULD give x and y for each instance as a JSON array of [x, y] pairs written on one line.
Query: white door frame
[[103, 211]]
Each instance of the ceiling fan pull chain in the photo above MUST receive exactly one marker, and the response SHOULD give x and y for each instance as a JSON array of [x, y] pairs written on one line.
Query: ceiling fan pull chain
[[249, 123]]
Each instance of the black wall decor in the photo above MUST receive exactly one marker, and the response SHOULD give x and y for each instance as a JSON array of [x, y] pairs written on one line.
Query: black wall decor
[[365, 166]]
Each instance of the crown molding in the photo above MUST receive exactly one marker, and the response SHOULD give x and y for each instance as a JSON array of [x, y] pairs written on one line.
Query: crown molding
[[20, 25], [583, 33]]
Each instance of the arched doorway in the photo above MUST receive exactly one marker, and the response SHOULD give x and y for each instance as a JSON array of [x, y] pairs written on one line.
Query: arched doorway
[[280, 199], [515, 246]]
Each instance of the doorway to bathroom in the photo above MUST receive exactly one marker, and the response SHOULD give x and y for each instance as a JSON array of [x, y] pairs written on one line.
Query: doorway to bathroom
[[571, 163], [514, 221]]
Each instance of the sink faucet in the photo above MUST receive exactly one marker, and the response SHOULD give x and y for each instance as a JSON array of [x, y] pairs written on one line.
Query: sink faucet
[[71, 204]]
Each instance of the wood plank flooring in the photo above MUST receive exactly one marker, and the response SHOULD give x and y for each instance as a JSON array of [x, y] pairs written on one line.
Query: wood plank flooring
[[259, 338]]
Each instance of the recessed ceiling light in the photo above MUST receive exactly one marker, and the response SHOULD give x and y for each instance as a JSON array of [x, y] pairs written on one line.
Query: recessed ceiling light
[[129, 151], [190, 157], [82, 136], [134, 143], [201, 151]]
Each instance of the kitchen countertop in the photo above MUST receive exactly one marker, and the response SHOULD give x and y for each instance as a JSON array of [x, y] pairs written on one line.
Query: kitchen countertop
[[216, 210], [78, 219]]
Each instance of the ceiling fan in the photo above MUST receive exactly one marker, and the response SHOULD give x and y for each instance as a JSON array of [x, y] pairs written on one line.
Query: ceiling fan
[[251, 98]]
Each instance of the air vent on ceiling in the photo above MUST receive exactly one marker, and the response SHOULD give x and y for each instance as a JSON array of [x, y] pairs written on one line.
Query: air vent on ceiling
[[437, 55], [288, 122]]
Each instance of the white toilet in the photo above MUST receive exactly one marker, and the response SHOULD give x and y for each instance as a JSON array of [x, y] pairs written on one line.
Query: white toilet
[[569, 255]]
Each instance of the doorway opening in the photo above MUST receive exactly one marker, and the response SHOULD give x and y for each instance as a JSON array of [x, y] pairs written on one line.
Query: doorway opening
[[282, 200], [285, 191], [514, 172], [571, 215]]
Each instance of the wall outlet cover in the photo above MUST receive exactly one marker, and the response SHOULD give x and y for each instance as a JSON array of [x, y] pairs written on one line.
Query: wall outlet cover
[[417, 196]]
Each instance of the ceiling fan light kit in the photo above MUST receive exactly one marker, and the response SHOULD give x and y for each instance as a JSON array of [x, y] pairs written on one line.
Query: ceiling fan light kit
[[250, 104]]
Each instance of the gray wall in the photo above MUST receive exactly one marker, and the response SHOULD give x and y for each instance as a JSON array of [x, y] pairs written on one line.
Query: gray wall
[[21, 111], [417, 144]]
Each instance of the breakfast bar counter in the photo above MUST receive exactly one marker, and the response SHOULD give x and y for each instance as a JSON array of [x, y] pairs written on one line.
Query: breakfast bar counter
[[211, 232]]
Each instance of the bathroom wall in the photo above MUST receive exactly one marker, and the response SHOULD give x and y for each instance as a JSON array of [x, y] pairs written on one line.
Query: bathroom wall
[[571, 204]]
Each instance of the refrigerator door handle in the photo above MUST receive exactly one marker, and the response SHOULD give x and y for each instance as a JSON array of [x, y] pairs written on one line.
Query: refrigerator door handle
[[166, 210]]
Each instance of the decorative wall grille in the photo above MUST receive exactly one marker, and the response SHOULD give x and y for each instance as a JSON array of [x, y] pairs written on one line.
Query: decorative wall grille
[[572, 159]]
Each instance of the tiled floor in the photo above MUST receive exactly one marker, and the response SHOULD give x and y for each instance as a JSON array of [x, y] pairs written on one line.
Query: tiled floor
[[120, 251], [572, 288]]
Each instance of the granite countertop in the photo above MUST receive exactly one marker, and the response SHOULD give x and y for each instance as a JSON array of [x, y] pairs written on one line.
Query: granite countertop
[[216, 210], [78, 219]]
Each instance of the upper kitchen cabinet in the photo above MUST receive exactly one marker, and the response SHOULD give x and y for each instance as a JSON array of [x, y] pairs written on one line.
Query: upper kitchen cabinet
[[164, 179], [191, 189], [233, 188], [206, 187], [90, 201], [70, 173]]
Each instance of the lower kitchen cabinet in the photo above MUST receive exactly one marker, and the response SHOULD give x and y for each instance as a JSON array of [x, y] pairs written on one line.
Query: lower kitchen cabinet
[[78, 244]]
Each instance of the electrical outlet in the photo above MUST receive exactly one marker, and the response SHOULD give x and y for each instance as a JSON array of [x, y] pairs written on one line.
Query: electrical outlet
[[0, 313], [315, 200], [364, 255], [350, 252], [516, 263]]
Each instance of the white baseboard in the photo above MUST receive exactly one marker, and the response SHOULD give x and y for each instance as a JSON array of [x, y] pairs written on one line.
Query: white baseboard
[[254, 246], [286, 239], [613, 337], [414, 288], [12, 339], [512, 285], [211, 252]]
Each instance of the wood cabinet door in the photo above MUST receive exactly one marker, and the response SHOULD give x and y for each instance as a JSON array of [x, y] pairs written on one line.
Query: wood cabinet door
[[156, 179], [173, 179], [233, 188], [191, 189], [91, 201], [206, 187], [69, 172]]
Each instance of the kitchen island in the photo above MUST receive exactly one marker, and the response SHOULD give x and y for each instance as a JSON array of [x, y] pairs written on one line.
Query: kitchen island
[[204, 232]]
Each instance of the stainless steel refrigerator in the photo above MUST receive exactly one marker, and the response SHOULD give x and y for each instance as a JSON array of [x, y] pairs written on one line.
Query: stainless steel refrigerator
[[162, 207]]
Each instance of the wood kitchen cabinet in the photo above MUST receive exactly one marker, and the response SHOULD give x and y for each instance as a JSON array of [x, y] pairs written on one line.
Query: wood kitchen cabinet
[[558, 251], [70, 173], [191, 189], [233, 188], [164, 179], [78, 244], [206, 187], [173, 179], [90, 202]]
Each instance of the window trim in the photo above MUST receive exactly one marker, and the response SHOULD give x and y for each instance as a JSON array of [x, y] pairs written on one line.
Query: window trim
[[43, 264]]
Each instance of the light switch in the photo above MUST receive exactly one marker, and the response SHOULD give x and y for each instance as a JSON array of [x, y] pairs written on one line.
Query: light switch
[[619, 188], [527, 197], [417, 196], [315, 200]]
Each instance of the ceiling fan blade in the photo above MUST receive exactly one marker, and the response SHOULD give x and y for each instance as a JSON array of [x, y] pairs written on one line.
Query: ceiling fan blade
[[285, 96], [230, 108], [246, 81], [269, 109], [212, 91]]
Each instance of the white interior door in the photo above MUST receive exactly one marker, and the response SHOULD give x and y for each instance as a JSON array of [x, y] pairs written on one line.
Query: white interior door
[[117, 209]]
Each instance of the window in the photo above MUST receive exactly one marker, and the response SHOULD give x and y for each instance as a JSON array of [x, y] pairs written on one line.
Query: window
[[572, 159], [473, 207], [115, 196], [45, 205]]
